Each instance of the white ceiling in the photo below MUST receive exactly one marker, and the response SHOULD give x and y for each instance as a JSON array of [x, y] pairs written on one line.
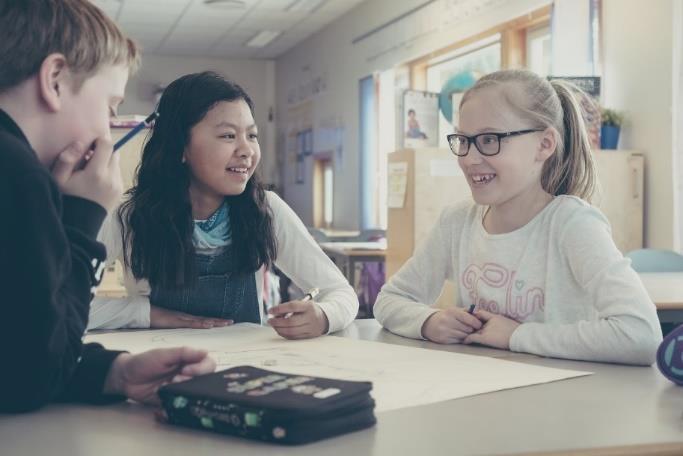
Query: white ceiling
[[192, 27]]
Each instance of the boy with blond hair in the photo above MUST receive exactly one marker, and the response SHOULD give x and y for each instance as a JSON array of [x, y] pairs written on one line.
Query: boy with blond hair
[[63, 74]]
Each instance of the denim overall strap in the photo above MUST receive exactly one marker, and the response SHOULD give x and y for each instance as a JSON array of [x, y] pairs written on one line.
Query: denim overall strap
[[219, 292]]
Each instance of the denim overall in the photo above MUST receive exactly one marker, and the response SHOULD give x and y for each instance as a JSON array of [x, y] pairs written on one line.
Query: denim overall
[[219, 292]]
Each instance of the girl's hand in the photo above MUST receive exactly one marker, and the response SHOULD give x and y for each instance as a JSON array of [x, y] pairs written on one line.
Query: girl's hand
[[496, 332], [450, 326], [298, 320], [164, 318]]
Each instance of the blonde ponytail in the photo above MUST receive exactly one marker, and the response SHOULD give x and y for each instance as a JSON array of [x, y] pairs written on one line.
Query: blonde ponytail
[[570, 171]]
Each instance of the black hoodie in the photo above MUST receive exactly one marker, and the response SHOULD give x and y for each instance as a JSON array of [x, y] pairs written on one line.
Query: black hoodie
[[50, 263]]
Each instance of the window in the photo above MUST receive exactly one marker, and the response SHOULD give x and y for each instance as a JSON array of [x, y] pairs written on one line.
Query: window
[[323, 188], [368, 152], [328, 187], [538, 50], [482, 57], [389, 88], [521, 42]]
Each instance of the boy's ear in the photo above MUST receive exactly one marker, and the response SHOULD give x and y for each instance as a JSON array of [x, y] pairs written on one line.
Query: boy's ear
[[548, 144], [52, 81]]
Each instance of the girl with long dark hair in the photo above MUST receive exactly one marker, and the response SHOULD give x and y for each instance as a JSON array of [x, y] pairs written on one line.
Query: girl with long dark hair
[[198, 229]]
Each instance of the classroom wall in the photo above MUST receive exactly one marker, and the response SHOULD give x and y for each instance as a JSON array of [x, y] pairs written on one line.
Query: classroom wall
[[257, 77], [638, 78], [321, 75], [677, 113]]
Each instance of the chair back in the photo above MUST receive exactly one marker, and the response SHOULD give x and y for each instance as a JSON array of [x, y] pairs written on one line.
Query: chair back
[[655, 260]]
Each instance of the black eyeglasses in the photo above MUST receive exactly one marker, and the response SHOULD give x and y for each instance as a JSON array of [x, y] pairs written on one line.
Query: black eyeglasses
[[486, 143]]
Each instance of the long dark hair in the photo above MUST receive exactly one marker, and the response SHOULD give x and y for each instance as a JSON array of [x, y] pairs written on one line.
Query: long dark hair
[[157, 214]]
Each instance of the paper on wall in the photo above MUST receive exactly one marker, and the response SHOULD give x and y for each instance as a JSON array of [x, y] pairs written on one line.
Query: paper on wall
[[444, 168], [397, 181]]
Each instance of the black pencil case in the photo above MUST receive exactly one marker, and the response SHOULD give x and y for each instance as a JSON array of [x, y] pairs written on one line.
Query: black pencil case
[[270, 406]]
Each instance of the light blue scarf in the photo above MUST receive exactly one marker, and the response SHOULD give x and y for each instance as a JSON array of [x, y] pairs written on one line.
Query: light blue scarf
[[213, 232]]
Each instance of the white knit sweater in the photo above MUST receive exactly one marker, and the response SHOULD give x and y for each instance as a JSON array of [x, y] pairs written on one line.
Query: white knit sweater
[[560, 275]]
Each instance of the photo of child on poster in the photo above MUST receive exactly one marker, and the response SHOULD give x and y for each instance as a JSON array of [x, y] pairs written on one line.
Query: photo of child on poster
[[420, 119], [414, 126]]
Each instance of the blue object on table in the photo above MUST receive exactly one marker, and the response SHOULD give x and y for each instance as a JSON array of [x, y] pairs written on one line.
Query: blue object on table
[[670, 356]]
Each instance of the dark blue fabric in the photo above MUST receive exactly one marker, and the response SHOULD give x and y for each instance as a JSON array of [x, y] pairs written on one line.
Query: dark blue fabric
[[219, 292]]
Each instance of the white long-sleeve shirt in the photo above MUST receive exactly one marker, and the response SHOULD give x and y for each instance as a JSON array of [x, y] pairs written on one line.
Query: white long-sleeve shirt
[[299, 257], [560, 276]]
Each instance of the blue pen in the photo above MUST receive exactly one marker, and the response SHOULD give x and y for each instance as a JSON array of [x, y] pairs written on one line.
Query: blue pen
[[134, 131]]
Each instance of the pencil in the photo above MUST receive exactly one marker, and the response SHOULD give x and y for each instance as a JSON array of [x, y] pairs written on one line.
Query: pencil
[[135, 130], [312, 293]]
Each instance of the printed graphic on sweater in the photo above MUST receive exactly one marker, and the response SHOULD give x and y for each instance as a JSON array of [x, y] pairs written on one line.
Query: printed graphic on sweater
[[495, 289]]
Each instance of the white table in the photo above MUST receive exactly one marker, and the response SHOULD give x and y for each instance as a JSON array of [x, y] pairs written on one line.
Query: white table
[[666, 291], [629, 410]]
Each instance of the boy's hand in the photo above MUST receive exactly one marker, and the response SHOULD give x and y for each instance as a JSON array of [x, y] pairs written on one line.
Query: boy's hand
[[91, 174], [164, 318], [138, 377], [496, 332], [450, 326], [298, 320]]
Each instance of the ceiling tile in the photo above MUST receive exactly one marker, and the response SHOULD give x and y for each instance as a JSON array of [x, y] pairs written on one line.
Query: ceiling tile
[[110, 7], [192, 27], [274, 5]]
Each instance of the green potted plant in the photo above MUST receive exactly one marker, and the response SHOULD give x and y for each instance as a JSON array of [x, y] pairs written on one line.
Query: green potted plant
[[612, 120]]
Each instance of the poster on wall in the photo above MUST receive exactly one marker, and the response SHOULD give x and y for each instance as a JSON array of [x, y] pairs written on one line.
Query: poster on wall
[[300, 169], [591, 104], [398, 181], [304, 149], [308, 142], [420, 119], [299, 141]]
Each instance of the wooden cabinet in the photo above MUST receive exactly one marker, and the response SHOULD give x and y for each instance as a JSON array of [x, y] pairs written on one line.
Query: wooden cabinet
[[620, 195], [434, 181]]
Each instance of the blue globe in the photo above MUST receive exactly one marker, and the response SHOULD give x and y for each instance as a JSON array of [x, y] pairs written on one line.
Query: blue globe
[[459, 82]]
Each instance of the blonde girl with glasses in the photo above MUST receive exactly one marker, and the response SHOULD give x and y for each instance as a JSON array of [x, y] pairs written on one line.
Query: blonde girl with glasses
[[535, 265]]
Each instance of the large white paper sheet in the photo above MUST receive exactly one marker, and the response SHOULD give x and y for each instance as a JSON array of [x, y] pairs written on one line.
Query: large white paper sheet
[[401, 376]]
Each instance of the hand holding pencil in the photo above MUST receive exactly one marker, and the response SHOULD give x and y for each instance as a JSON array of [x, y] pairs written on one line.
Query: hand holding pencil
[[300, 319], [93, 171], [451, 326]]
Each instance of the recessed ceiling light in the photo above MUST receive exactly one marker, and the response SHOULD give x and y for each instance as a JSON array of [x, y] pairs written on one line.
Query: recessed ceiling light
[[304, 6], [263, 38], [226, 4]]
